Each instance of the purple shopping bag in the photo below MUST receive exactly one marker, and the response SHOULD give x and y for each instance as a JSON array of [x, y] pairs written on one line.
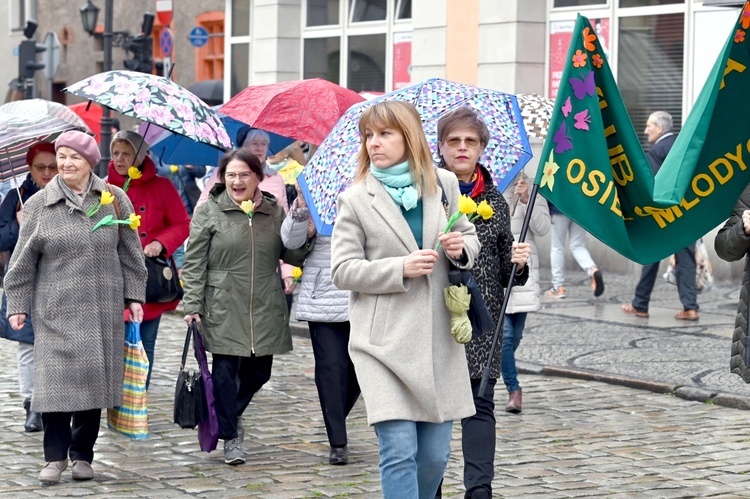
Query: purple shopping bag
[[208, 429]]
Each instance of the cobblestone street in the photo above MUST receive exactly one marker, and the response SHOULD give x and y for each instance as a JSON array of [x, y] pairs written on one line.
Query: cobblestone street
[[575, 437]]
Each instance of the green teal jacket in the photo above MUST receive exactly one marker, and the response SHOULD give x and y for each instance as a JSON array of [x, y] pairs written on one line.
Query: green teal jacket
[[230, 276]]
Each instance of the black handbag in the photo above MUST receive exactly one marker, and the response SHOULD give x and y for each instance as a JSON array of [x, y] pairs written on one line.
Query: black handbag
[[163, 283], [190, 407]]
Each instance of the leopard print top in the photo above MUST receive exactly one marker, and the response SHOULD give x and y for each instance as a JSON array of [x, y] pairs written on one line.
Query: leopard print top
[[492, 268]]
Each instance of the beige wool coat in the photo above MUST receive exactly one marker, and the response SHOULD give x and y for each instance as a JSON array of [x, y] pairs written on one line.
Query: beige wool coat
[[408, 365], [75, 283]]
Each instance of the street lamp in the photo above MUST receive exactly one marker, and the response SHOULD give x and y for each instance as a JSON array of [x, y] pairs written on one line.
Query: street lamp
[[89, 15]]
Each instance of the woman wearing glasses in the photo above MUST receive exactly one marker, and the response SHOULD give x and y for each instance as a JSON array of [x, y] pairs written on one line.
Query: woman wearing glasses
[[233, 290], [42, 168], [462, 137]]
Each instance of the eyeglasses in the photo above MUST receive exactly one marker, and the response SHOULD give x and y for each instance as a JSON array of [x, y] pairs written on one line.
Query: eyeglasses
[[456, 141], [242, 176], [40, 167]]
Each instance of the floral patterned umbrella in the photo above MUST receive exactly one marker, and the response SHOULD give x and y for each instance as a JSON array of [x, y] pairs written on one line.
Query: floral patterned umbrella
[[332, 167], [157, 100]]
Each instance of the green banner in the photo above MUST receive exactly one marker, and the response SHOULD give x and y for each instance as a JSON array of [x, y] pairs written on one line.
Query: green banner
[[594, 170]]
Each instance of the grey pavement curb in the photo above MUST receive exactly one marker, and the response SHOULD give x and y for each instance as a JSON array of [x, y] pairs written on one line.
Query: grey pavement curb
[[682, 391]]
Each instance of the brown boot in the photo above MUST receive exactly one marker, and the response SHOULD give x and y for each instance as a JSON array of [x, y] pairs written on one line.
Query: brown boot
[[514, 402]]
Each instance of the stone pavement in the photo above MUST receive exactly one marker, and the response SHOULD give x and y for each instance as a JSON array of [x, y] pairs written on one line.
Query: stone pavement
[[575, 438]]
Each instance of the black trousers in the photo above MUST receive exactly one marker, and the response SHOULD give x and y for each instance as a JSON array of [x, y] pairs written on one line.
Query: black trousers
[[478, 440], [61, 440], [338, 389], [236, 379]]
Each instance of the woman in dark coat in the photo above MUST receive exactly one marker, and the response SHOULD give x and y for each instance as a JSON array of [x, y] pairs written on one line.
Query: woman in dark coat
[[732, 243], [40, 159], [462, 136], [75, 281]]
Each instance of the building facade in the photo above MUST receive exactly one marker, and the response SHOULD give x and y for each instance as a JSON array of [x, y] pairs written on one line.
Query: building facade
[[82, 54]]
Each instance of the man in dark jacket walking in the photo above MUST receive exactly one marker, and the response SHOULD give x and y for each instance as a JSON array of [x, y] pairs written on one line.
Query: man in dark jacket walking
[[659, 130]]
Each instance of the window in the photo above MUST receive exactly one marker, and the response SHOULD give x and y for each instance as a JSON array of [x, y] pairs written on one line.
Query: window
[[650, 66], [240, 18], [17, 14], [322, 12], [322, 58], [366, 63], [367, 10], [646, 3], [403, 9], [209, 59], [578, 3], [240, 67]]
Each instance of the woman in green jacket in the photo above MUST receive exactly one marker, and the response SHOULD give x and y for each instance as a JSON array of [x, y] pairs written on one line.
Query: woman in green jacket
[[232, 287]]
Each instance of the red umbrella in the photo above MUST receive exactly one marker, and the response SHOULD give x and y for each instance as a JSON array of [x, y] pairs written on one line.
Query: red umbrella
[[91, 115], [303, 109]]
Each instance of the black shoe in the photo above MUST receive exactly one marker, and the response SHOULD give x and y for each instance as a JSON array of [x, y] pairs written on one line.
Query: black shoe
[[33, 419], [338, 456], [479, 493]]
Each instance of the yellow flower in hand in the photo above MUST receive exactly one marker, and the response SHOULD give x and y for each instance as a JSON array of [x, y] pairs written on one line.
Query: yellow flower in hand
[[174, 168], [135, 221], [134, 173], [296, 273], [107, 197], [484, 210], [466, 205]]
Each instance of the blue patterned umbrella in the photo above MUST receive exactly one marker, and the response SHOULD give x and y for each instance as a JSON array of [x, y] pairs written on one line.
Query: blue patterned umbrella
[[331, 169]]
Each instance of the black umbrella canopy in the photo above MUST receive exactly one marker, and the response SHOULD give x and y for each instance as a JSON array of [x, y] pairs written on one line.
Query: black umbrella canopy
[[209, 91]]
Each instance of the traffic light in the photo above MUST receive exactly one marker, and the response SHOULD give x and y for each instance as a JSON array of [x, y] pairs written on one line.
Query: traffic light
[[27, 63], [142, 48]]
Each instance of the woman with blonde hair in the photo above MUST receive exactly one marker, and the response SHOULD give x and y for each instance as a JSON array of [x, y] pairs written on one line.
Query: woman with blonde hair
[[413, 375]]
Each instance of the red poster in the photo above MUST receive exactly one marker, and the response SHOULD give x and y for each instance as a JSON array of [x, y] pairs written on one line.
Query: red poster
[[560, 33], [401, 60]]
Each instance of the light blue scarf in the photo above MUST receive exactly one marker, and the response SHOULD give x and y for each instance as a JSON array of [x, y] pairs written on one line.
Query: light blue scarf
[[398, 183]]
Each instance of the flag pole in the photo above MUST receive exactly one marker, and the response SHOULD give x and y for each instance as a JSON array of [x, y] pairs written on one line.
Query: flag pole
[[521, 238]]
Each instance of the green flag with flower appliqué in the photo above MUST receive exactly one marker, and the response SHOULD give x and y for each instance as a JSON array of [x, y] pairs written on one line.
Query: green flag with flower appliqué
[[595, 171]]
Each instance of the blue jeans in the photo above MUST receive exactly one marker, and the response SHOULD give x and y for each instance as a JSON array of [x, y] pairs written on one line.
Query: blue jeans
[[413, 457], [512, 334], [149, 329]]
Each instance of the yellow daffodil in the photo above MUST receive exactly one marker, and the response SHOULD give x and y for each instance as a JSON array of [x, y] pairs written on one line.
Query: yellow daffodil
[[134, 221], [248, 207], [107, 197], [133, 174], [296, 274], [174, 168], [484, 210], [466, 205]]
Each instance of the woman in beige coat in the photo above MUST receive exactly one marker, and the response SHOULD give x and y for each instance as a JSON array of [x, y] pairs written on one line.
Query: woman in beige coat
[[413, 375]]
